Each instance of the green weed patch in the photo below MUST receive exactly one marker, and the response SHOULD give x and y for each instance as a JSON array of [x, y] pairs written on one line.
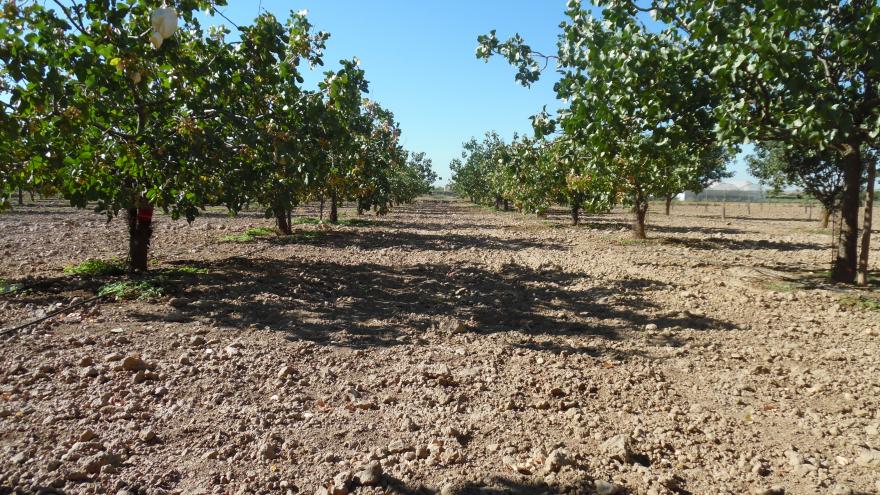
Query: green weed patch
[[97, 268]]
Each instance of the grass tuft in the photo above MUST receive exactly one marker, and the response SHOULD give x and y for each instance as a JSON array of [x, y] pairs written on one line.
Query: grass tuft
[[7, 287], [305, 221], [131, 290], [97, 268], [781, 286], [249, 235], [189, 270], [868, 303]]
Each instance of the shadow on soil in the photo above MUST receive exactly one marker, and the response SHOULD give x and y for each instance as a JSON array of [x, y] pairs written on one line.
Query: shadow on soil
[[367, 305], [494, 485], [411, 241], [716, 243]]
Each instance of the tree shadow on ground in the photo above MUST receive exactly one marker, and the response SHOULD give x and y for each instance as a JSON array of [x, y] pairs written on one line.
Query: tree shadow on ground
[[366, 305], [762, 219], [495, 485], [612, 224], [412, 241], [718, 243]]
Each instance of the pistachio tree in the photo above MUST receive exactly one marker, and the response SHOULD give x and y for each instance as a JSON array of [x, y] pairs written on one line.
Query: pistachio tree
[[634, 99], [276, 125], [803, 74], [479, 173], [111, 93]]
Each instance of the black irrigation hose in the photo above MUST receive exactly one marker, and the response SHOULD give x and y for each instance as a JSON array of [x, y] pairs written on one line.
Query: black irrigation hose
[[52, 313]]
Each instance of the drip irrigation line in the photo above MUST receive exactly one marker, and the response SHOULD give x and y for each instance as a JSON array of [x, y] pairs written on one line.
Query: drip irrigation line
[[58, 311]]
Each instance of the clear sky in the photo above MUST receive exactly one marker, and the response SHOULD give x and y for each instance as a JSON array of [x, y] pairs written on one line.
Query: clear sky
[[419, 58]]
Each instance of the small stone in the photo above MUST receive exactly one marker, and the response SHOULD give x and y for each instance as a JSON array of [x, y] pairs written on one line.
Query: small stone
[[651, 327], [197, 341], [113, 356], [286, 371], [341, 484], [179, 302], [555, 461], [774, 490], [398, 446], [868, 458], [872, 430], [371, 475], [134, 363], [450, 325], [607, 488], [86, 361], [268, 450], [87, 435], [94, 463], [619, 447], [147, 436], [77, 476]]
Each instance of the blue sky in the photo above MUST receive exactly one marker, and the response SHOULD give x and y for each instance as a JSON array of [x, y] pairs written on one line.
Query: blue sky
[[419, 59]]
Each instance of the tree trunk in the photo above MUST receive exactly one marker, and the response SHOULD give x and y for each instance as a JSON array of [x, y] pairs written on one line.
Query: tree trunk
[[140, 229], [825, 217], [321, 212], [360, 207], [282, 221], [20, 197], [334, 212], [668, 204], [844, 269], [575, 213], [640, 209], [862, 277], [506, 205], [497, 202]]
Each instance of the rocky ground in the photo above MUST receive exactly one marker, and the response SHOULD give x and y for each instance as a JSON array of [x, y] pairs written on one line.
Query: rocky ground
[[442, 349]]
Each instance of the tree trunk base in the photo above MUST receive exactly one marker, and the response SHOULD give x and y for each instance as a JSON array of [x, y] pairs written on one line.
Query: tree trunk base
[[140, 229], [334, 211], [845, 264]]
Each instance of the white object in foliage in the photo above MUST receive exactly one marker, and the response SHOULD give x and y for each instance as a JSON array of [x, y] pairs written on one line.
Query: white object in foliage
[[156, 39], [164, 22]]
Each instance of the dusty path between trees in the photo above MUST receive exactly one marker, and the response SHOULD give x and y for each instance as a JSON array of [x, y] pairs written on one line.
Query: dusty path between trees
[[444, 348]]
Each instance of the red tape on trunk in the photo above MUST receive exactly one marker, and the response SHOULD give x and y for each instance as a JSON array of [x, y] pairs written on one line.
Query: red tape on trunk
[[145, 215]]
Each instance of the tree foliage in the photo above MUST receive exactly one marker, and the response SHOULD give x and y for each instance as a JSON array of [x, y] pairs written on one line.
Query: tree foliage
[[712, 74], [119, 113], [635, 102]]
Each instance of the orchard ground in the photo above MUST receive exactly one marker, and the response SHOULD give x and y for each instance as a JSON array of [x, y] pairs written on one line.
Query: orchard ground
[[443, 348]]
